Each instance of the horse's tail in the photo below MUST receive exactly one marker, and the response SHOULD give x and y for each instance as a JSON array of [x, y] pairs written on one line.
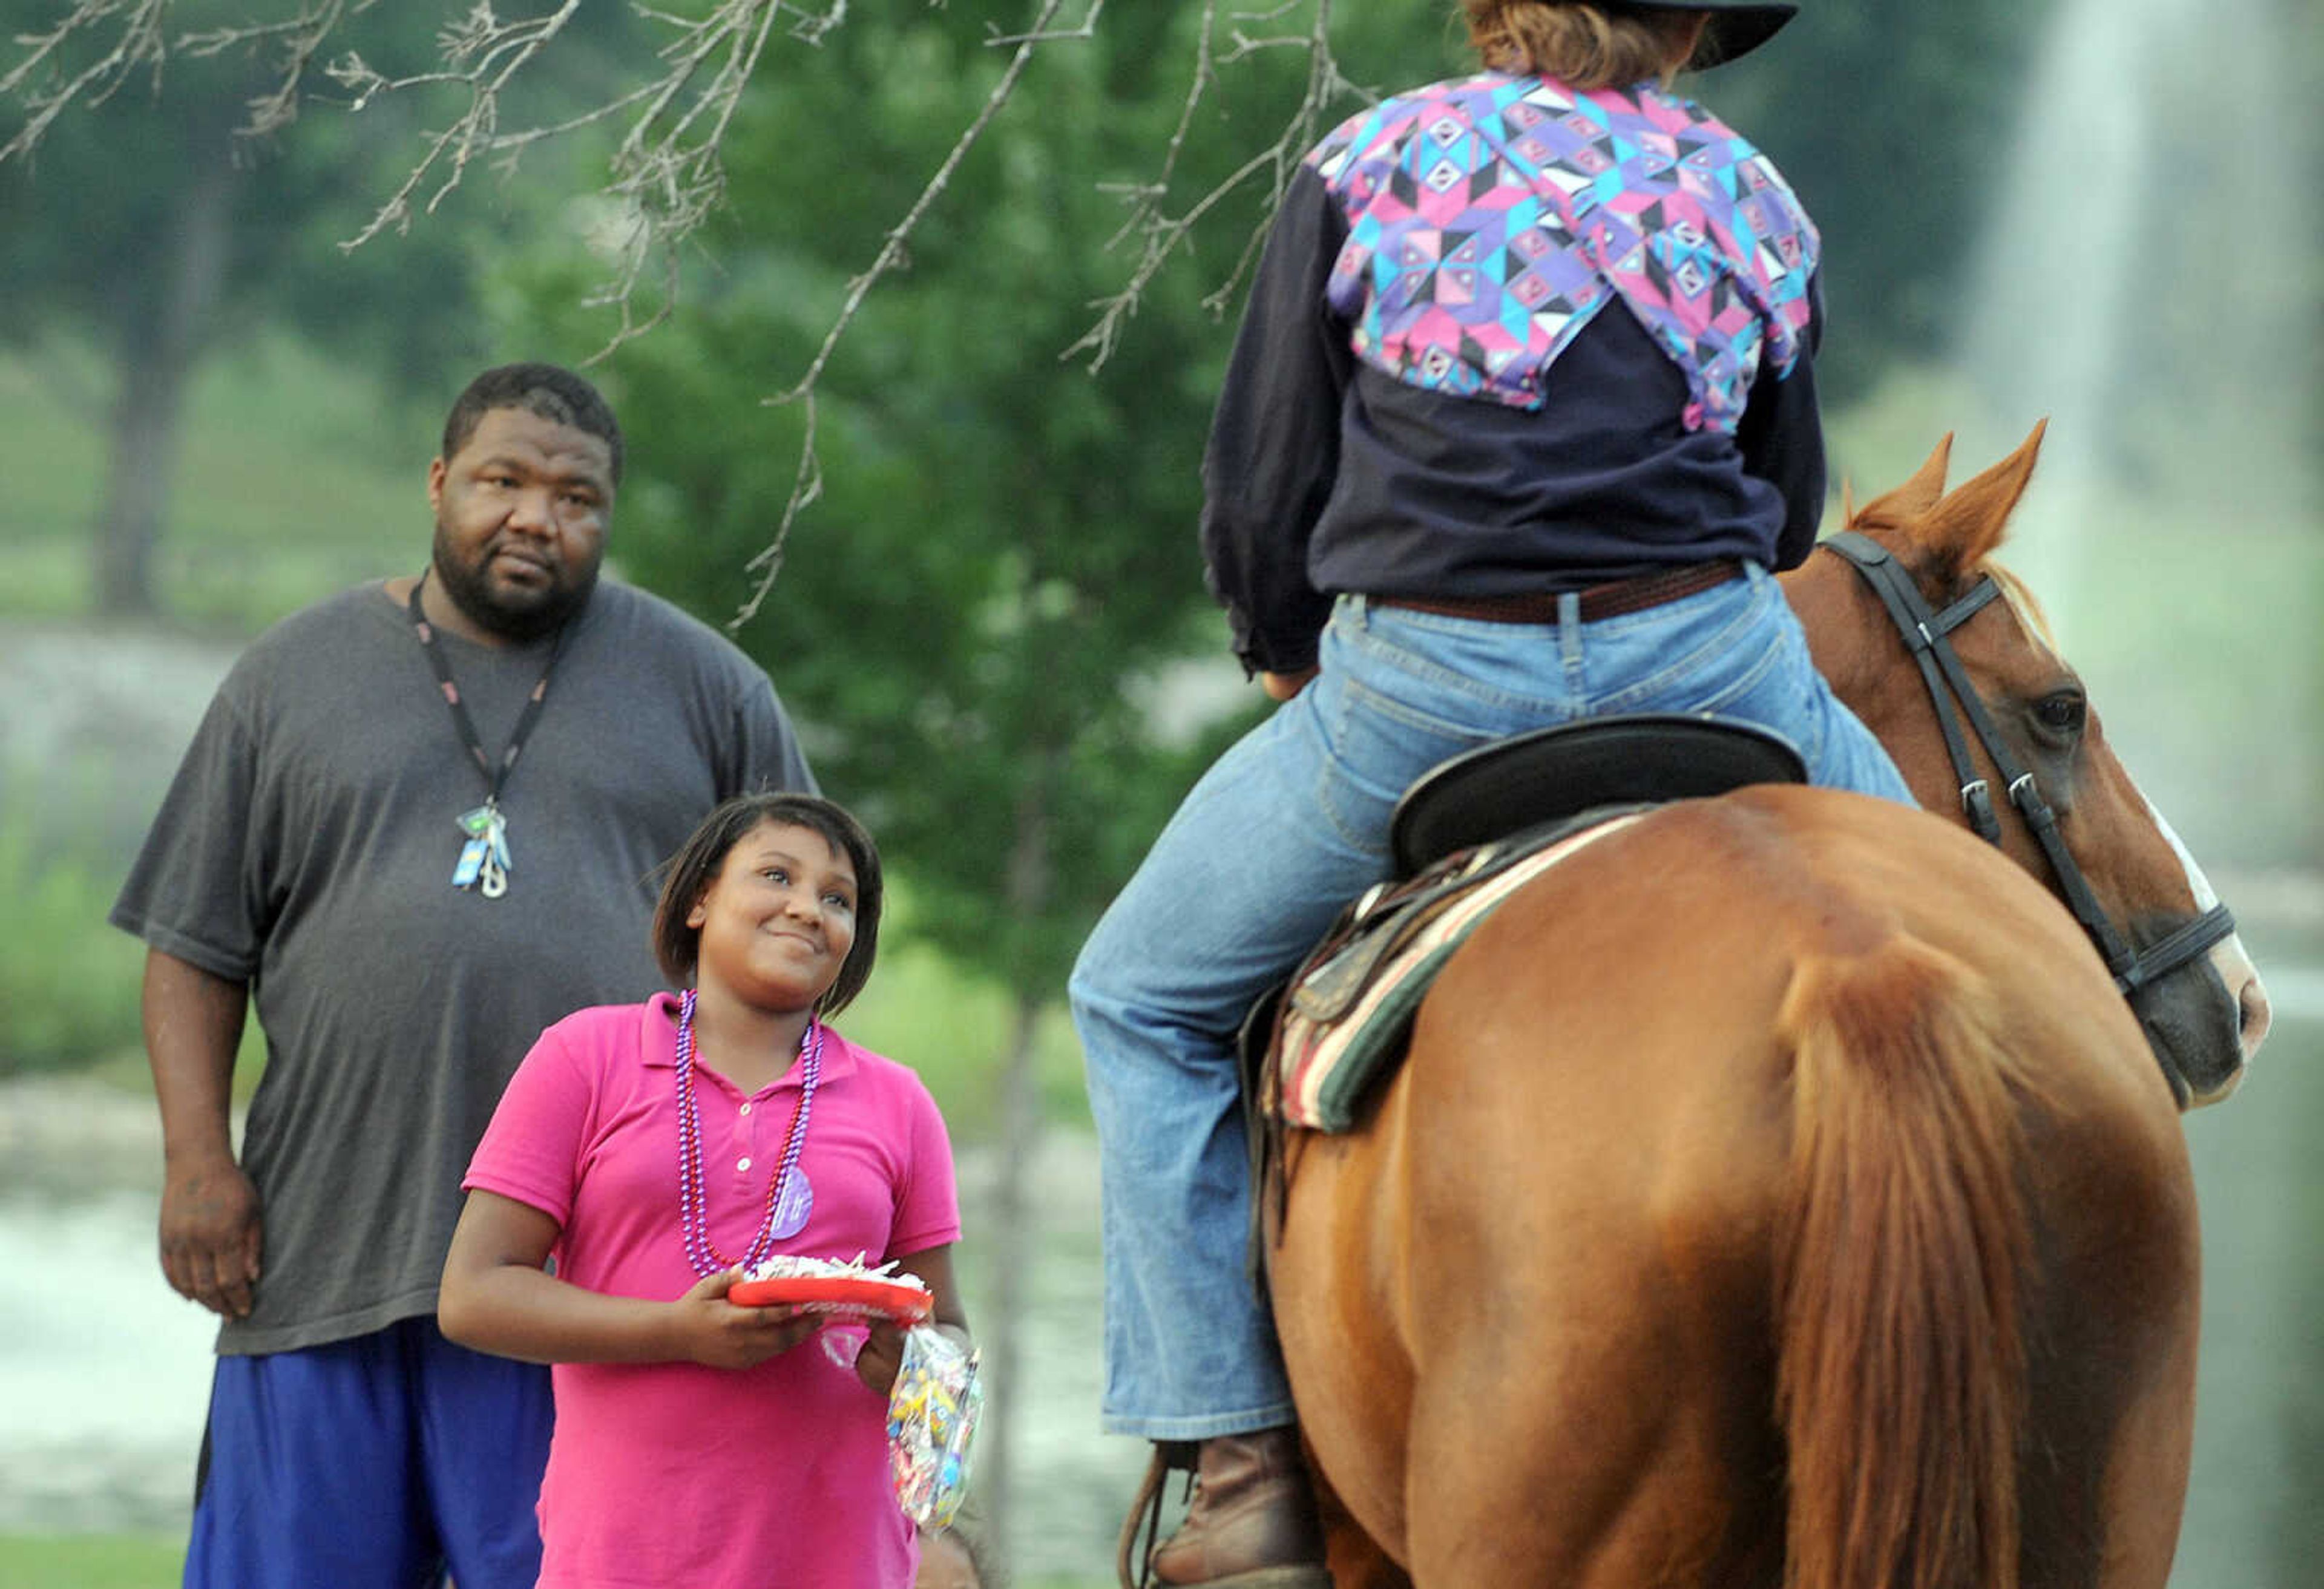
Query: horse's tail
[[1902, 1235]]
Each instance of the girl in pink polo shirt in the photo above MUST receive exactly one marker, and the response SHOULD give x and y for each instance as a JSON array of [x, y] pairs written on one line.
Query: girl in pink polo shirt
[[643, 1156]]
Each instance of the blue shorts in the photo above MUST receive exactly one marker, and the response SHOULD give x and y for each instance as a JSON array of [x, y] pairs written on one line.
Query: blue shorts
[[382, 1462]]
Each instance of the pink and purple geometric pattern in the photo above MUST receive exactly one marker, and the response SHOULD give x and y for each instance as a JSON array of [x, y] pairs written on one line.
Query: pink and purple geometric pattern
[[1488, 218]]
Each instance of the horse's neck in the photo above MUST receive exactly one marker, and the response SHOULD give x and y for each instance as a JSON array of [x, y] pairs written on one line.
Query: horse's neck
[[1855, 647]]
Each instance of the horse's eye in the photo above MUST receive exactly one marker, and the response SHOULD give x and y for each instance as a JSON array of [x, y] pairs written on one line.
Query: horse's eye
[[2062, 714]]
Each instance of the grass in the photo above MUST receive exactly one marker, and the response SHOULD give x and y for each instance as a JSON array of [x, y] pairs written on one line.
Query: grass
[[68, 982], [91, 1561], [140, 1561], [296, 476]]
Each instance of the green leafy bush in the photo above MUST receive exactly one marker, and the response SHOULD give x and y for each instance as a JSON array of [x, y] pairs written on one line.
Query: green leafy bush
[[68, 981]]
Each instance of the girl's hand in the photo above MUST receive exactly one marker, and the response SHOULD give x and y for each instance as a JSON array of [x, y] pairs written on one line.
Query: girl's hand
[[882, 1357], [718, 1334]]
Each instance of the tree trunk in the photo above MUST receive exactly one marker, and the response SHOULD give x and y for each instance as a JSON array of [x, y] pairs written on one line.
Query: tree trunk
[[1013, 1238], [162, 335], [1013, 1242]]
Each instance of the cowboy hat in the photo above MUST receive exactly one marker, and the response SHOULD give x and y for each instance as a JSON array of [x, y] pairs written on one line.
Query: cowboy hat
[[1737, 28]]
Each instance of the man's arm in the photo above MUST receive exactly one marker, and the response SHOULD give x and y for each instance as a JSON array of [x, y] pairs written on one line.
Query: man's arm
[[210, 1222]]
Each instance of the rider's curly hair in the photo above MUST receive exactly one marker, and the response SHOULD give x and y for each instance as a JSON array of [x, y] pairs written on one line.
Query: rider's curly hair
[[1582, 44]]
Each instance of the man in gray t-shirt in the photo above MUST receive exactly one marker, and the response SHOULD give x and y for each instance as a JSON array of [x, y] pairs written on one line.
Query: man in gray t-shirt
[[420, 822]]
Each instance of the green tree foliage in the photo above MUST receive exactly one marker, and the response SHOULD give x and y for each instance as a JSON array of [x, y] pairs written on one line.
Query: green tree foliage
[[1005, 547], [155, 227], [1893, 121], [154, 231]]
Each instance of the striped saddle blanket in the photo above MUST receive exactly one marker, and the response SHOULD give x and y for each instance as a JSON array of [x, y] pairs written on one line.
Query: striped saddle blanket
[[1342, 1024]]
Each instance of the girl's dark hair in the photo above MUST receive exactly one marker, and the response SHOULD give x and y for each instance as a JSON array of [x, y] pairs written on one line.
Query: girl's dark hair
[[679, 946]]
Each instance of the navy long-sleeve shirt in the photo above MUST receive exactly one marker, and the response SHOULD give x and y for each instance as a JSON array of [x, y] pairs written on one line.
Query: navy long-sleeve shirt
[[1324, 476]]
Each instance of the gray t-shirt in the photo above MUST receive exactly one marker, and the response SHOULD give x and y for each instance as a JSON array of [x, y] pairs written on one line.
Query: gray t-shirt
[[307, 847]]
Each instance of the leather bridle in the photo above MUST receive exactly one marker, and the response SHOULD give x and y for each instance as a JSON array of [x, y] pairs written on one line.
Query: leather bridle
[[1924, 632]]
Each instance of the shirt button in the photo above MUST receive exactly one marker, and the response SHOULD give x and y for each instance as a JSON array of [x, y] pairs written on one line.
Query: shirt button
[[746, 1108], [742, 1164]]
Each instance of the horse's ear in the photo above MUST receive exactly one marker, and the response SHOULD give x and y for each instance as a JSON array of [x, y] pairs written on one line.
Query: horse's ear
[[1898, 508], [1968, 524]]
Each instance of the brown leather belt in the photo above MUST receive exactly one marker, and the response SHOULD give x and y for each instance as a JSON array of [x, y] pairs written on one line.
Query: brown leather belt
[[1635, 595]]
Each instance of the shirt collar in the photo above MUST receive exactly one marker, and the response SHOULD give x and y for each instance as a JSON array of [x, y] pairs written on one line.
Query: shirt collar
[[659, 1015]]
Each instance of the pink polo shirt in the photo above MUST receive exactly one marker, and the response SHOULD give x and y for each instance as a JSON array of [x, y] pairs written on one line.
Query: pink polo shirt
[[774, 1477]]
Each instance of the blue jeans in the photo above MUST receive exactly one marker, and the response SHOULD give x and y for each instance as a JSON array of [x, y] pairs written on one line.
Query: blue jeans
[[1282, 832]]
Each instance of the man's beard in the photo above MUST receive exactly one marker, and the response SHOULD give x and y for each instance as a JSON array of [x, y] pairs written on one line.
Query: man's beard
[[536, 613]]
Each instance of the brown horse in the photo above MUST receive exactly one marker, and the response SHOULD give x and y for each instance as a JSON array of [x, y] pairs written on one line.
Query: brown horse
[[1781, 1191]]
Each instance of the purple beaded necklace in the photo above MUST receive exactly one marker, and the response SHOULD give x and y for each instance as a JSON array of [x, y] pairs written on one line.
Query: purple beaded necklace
[[693, 1204]]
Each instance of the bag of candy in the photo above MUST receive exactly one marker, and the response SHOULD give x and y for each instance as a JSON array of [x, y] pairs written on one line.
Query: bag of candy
[[932, 1415]]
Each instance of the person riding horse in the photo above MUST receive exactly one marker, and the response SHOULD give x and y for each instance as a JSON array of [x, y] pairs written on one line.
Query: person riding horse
[[1519, 420]]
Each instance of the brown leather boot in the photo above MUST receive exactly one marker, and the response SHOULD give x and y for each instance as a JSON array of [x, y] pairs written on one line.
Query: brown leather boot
[[1252, 1523]]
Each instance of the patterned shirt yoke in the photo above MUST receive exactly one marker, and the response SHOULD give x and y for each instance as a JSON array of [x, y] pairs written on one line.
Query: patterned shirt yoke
[[1490, 218]]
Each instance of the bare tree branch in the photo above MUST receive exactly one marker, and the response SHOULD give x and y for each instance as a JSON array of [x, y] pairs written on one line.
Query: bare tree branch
[[483, 55], [806, 485], [1161, 233], [892, 254], [1084, 31], [302, 39], [140, 43], [672, 184]]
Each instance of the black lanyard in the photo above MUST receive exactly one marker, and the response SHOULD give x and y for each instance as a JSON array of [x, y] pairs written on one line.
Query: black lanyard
[[495, 776]]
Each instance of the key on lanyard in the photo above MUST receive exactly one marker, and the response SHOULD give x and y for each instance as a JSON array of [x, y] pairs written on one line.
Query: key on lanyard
[[484, 863]]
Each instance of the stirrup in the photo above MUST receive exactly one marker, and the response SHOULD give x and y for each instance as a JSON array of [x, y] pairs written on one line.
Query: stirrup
[[1136, 1568]]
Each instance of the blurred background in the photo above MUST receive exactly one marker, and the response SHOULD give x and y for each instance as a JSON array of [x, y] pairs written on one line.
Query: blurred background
[[991, 621]]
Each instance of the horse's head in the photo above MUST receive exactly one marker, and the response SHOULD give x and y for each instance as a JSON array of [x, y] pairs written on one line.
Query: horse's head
[[2028, 749]]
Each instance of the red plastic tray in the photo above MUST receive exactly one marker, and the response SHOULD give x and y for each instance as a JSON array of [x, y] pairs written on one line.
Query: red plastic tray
[[826, 1294]]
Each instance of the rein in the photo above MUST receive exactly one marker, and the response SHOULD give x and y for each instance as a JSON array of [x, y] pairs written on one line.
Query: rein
[[1924, 633]]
